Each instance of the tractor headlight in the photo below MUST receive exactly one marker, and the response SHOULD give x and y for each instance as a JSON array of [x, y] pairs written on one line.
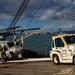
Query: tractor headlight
[[73, 52], [64, 51], [71, 47]]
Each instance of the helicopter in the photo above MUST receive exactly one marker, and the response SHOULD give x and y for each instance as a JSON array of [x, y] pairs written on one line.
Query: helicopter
[[12, 50], [8, 49]]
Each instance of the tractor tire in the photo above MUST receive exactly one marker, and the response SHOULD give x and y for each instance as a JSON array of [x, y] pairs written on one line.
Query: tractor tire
[[56, 60], [73, 59]]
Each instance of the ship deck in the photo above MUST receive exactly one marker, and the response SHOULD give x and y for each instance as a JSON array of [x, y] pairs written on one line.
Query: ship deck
[[39, 66]]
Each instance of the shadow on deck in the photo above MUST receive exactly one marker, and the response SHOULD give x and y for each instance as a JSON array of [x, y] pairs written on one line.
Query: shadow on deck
[[33, 54]]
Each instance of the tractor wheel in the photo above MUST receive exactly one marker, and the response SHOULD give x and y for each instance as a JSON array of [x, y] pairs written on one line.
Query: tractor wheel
[[56, 60], [74, 60]]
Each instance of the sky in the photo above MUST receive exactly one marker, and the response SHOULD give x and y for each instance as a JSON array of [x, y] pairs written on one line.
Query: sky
[[50, 13]]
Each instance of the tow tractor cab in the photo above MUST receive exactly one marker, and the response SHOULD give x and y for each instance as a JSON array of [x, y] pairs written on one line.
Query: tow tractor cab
[[12, 51], [63, 49]]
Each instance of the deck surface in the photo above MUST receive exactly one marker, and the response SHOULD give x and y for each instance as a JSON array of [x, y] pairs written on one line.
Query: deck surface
[[36, 68]]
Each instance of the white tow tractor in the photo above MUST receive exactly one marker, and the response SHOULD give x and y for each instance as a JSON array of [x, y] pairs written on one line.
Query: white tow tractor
[[63, 49]]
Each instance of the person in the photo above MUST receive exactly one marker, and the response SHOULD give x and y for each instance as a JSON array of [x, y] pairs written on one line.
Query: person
[[3, 54], [5, 48], [6, 52], [1, 48]]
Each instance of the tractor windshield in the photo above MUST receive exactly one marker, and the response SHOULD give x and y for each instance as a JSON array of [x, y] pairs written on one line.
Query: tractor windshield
[[70, 39]]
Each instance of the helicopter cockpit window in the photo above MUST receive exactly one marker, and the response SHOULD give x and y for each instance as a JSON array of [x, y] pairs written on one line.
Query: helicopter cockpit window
[[2, 39], [10, 44]]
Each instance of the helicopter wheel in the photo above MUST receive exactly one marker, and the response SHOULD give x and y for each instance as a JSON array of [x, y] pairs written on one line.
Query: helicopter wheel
[[2, 61]]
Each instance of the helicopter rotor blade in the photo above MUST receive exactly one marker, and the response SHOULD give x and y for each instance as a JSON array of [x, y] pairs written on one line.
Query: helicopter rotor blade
[[22, 30], [11, 28]]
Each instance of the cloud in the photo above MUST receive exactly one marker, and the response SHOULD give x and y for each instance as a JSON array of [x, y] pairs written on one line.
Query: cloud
[[65, 2], [48, 14], [55, 8], [64, 27], [10, 7], [1, 27], [5, 16], [50, 10], [70, 25]]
